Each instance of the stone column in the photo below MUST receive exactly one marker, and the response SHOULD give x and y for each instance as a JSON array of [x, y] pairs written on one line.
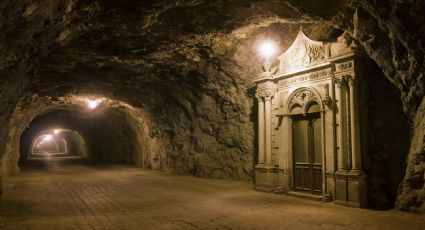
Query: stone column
[[354, 126], [341, 150], [268, 120], [261, 147]]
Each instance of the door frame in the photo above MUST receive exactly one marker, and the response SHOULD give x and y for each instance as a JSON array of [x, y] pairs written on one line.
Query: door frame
[[291, 103], [308, 117]]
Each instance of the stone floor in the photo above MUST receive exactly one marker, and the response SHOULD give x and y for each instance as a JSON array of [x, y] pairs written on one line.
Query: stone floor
[[80, 194]]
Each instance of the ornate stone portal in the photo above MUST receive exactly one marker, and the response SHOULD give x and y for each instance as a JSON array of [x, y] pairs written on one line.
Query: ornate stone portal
[[310, 120]]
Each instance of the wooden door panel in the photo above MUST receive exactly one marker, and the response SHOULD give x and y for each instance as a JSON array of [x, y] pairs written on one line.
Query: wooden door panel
[[307, 154], [301, 141], [317, 179], [303, 177]]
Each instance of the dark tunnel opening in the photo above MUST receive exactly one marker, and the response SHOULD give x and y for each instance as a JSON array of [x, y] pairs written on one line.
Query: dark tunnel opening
[[102, 134]]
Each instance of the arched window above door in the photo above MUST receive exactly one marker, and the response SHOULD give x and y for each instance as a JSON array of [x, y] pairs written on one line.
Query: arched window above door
[[313, 107], [303, 101]]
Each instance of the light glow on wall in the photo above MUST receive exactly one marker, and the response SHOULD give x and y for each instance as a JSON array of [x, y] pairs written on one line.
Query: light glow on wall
[[267, 49], [93, 104], [47, 138]]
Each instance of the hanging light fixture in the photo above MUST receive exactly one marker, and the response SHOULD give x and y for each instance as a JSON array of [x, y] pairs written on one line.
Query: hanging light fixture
[[93, 104], [267, 49]]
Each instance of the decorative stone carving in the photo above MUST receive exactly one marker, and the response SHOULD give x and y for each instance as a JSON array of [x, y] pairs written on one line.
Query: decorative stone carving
[[305, 67], [264, 93], [302, 53], [340, 82], [262, 86], [305, 77], [345, 66], [351, 80], [302, 97], [327, 100]]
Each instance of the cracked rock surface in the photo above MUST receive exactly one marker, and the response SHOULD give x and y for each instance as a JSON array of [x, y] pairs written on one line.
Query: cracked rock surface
[[185, 68]]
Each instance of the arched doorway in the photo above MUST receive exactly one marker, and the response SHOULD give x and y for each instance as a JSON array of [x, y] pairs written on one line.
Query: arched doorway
[[307, 150], [306, 145], [306, 142]]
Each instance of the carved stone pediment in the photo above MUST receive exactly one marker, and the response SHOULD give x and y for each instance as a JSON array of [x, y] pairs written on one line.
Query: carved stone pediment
[[302, 97], [305, 77], [303, 52]]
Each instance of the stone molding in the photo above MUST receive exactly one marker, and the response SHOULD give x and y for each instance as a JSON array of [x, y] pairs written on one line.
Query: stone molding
[[305, 77], [302, 97], [344, 66]]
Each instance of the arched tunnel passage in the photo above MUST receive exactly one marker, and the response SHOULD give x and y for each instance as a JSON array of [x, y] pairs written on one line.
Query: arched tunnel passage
[[52, 142], [107, 130], [171, 83], [48, 144], [101, 134]]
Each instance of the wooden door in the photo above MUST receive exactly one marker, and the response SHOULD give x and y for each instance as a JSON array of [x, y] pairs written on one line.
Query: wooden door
[[307, 144]]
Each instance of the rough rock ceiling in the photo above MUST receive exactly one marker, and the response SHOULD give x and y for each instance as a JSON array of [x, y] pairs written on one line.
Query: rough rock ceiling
[[189, 63]]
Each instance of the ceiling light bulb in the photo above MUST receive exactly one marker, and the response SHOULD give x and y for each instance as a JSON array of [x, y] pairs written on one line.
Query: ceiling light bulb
[[92, 104], [267, 48], [47, 137]]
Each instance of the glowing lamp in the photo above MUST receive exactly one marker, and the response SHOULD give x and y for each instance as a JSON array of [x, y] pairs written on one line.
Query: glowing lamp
[[47, 138], [92, 104], [267, 49], [56, 131]]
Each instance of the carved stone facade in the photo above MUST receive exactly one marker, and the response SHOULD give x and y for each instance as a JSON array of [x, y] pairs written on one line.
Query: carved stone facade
[[310, 121]]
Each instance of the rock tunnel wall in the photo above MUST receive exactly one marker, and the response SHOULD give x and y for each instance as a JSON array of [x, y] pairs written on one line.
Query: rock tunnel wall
[[385, 161], [35, 107], [190, 72], [120, 133], [77, 145]]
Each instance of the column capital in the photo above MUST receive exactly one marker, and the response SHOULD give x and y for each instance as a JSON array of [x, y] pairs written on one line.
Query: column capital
[[259, 96], [268, 93], [340, 81], [351, 80]]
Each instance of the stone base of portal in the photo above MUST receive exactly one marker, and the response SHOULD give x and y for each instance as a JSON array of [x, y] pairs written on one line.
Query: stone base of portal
[[268, 178], [350, 188]]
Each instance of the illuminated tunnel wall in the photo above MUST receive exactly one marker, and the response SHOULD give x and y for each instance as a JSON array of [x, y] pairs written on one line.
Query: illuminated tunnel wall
[[113, 132], [105, 136], [48, 143], [63, 142]]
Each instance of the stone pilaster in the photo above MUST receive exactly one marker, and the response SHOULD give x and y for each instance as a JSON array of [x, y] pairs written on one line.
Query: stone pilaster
[[268, 130], [261, 144], [355, 136]]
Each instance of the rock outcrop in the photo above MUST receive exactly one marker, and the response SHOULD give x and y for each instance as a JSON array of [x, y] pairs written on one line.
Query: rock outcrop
[[188, 66]]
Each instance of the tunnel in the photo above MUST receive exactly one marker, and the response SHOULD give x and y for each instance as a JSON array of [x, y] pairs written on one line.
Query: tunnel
[[212, 114], [101, 129]]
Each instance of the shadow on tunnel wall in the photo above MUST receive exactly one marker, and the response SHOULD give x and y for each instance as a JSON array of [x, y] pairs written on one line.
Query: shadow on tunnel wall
[[111, 138], [388, 140], [253, 117]]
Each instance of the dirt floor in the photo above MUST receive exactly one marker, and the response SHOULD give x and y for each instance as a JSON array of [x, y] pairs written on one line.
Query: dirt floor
[[73, 193]]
